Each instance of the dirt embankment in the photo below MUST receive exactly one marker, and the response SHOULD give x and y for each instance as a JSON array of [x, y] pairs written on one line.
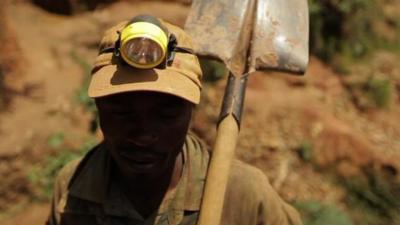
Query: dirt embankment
[[11, 58], [57, 52], [69, 7], [283, 114]]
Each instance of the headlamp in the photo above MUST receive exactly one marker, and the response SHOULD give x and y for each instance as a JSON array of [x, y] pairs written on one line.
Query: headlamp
[[143, 45]]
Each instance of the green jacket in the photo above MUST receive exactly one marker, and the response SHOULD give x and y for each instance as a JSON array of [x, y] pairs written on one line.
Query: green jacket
[[85, 194]]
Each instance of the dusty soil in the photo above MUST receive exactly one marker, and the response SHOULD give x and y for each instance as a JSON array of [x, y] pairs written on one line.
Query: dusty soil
[[282, 112], [9, 63], [33, 214], [47, 83]]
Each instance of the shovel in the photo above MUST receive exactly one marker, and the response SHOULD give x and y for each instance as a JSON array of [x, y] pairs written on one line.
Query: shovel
[[247, 36]]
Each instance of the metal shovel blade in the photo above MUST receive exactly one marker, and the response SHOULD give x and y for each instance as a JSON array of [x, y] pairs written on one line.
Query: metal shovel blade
[[221, 29], [280, 36], [252, 34]]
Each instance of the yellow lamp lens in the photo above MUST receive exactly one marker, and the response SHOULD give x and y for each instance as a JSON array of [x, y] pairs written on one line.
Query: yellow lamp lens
[[143, 45], [143, 52]]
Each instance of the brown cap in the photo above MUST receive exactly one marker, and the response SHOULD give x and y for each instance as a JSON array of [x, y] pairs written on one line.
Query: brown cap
[[110, 76]]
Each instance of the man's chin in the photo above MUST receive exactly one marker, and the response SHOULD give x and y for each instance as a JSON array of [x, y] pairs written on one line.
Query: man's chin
[[136, 169]]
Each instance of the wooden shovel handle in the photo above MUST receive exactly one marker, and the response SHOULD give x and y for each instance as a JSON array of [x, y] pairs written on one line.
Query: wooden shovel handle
[[218, 172], [223, 152]]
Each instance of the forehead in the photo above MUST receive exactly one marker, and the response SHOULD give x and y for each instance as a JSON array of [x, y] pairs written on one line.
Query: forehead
[[139, 98]]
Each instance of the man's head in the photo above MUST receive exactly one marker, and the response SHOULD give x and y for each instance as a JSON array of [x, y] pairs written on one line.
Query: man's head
[[144, 131], [110, 75], [145, 113]]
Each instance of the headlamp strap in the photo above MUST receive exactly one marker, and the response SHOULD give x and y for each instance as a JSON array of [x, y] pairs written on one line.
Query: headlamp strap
[[113, 48], [172, 43], [172, 49], [117, 44], [184, 50]]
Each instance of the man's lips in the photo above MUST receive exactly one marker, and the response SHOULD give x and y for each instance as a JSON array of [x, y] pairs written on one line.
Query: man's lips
[[143, 156], [140, 158]]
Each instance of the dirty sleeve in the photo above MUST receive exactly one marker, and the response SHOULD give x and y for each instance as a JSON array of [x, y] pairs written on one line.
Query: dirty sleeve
[[60, 191], [250, 199]]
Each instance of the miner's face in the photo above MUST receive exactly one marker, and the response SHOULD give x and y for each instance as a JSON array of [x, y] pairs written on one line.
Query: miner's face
[[144, 131]]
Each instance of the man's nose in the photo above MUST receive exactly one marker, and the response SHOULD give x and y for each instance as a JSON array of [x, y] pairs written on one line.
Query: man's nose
[[144, 139]]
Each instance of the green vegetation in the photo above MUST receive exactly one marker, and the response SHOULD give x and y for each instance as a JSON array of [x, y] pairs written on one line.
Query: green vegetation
[[373, 198], [352, 28], [81, 94], [212, 70], [371, 93], [306, 151], [56, 140], [316, 213], [370, 200], [43, 175], [328, 21], [379, 92]]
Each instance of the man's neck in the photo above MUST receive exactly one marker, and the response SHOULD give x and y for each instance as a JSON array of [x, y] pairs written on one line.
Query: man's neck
[[147, 192]]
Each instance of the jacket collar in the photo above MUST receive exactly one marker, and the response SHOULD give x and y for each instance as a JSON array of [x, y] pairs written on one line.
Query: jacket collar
[[93, 182]]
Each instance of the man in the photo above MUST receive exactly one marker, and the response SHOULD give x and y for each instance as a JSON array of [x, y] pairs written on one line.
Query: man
[[149, 169]]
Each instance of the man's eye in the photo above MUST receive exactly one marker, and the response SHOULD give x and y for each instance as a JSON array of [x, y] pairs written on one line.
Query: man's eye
[[169, 114], [122, 113]]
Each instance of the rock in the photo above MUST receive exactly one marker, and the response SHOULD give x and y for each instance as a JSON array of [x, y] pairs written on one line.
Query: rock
[[70, 7], [9, 48], [10, 56]]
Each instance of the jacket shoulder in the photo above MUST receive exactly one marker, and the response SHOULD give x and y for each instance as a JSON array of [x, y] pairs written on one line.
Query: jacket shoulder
[[71, 169], [251, 199], [248, 176], [66, 173]]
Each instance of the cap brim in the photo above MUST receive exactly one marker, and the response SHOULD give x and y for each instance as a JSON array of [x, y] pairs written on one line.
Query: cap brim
[[113, 79]]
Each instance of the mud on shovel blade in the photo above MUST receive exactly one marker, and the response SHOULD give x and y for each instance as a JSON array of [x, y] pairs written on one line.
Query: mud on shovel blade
[[221, 30], [278, 31], [247, 35], [280, 36]]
